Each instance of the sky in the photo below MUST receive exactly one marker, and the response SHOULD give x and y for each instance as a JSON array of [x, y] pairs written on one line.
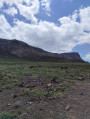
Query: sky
[[54, 25]]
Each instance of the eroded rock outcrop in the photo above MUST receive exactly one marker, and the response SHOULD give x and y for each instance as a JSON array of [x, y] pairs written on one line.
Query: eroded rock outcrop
[[23, 50]]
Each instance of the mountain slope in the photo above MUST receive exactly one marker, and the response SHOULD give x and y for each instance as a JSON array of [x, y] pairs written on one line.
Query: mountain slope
[[23, 50]]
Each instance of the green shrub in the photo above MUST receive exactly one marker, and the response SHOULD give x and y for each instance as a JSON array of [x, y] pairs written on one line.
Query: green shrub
[[7, 116]]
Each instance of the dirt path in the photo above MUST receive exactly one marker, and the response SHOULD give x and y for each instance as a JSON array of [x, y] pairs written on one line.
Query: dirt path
[[75, 106]]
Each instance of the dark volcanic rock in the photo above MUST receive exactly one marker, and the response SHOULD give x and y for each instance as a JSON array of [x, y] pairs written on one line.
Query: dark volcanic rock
[[23, 50]]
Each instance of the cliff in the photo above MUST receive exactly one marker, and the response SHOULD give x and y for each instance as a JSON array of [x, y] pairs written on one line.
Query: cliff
[[23, 50]]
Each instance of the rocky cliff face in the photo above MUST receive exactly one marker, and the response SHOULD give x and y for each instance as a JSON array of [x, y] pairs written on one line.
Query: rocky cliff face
[[71, 56], [23, 50]]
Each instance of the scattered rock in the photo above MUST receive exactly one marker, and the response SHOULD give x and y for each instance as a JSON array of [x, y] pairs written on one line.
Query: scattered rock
[[55, 89], [64, 67], [41, 108], [72, 75], [21, 84], [54, 80], [0, 90], [81, 94], [65, 96], [28, 86], [32, 67], [68, 107], [49, 85], [81, 78], [39, 66], [9, 104], [14, 96], [30, 103], [62, 90], [17, 104], [32, 86], [22, 115], [67, 71]]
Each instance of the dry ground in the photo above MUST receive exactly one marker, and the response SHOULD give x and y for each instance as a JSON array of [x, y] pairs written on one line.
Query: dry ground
[[44, 90], [77, 103]]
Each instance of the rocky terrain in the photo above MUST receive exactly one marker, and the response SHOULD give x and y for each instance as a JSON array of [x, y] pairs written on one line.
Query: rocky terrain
[[23, 50], [76, 105], [44, 90]]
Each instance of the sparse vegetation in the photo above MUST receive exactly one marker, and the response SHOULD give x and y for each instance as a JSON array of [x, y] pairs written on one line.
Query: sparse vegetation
[[38, 81], [8, 116]]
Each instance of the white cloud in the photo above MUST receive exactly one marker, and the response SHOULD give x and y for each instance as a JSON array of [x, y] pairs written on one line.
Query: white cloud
[[87, 57], [5, 28], [11, 2], [85, 18], [11, 11], [27, 8], [1, 3], [46, 4], [45, 34], [29, 12]]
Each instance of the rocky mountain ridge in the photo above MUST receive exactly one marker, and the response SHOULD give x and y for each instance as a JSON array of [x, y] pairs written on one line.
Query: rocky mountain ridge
[[23, 50]]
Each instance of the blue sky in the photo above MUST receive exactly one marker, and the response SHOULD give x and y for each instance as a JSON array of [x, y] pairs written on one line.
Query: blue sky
[[54, 25]]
